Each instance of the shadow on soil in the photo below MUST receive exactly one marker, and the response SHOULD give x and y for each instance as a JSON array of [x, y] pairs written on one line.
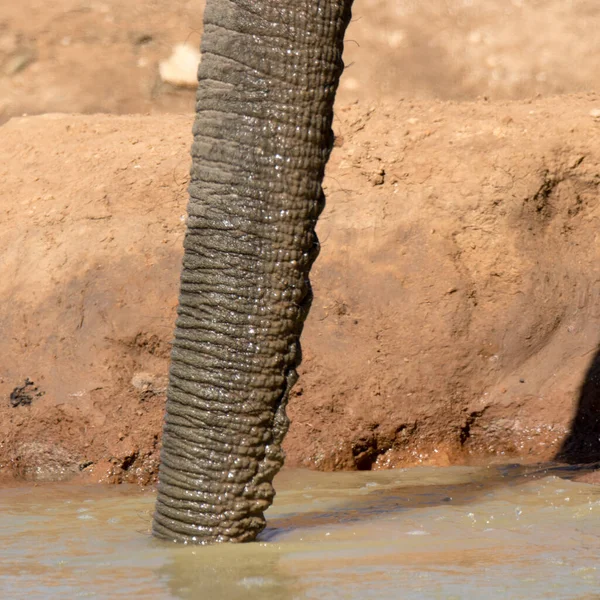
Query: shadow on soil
[[582, 445]]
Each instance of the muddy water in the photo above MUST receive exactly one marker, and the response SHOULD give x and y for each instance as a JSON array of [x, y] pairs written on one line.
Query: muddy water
[[496, 532]]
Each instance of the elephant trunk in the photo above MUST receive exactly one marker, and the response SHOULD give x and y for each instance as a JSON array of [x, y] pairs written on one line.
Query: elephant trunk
[[262, 137]]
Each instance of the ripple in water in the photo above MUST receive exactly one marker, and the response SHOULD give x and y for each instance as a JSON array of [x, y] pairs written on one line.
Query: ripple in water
[[498, 532]]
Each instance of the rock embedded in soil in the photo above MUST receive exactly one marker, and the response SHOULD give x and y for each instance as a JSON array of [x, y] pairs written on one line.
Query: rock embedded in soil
[[181, 68]]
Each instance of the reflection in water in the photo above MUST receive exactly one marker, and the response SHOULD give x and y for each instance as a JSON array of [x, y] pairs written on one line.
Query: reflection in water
[[458, 486], [498, 532], [251, 572]]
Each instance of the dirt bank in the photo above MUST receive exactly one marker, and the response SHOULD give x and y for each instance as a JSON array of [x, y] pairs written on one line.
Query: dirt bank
[[457, 292]]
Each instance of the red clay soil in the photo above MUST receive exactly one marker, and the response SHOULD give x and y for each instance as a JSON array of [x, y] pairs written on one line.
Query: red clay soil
[[456, 309]]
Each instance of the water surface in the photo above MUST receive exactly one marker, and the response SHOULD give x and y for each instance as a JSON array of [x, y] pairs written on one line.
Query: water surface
[[459, 532]]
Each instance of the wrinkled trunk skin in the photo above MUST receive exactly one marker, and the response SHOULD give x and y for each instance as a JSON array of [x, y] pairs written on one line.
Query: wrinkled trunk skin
[[262, 136]]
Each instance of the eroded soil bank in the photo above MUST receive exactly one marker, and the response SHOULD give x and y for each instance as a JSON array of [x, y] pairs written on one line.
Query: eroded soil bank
[[457, 295]]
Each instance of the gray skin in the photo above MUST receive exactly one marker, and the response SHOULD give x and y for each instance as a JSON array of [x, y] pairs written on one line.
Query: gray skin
[[262, 137]]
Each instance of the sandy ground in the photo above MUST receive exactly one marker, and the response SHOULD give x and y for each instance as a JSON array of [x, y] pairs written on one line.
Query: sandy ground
[[89, 56], [457, 305]]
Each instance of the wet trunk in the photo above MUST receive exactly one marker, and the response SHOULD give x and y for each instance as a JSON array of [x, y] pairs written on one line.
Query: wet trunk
[[262, 136]]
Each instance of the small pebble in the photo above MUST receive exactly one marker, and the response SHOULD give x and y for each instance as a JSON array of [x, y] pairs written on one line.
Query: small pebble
[[181, 68]]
